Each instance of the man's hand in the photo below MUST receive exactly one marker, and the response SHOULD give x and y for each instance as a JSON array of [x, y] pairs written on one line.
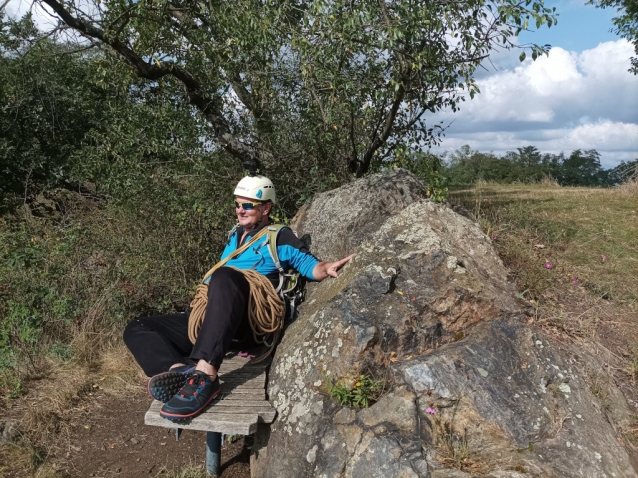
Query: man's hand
[[329, 269]]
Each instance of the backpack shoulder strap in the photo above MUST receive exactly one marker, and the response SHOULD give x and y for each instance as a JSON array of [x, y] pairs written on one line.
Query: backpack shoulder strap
[[273, 233], [234, 254], [232, 231]]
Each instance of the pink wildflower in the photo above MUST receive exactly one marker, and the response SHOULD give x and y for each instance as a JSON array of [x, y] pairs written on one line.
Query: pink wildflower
[[548, 265], [603, 257], [485, 200], [574, 282], [431, 411], [494, 236]]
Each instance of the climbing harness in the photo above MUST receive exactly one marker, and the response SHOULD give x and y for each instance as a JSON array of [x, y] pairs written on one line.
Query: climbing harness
[[291, 286], [266, 305]]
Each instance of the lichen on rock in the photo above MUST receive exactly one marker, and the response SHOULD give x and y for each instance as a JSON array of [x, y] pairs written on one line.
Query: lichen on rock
[[427, 308]]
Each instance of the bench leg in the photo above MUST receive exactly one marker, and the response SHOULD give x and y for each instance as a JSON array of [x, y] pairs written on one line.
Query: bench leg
[[213, 453]]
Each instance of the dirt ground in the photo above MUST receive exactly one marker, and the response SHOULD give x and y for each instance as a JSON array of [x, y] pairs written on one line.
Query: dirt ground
[[107, 437]]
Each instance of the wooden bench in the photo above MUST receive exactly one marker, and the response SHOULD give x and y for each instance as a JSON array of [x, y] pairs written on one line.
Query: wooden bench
[[240, 408]]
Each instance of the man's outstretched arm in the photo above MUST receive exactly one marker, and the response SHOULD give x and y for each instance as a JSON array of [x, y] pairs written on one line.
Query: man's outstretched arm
[[329, 269]]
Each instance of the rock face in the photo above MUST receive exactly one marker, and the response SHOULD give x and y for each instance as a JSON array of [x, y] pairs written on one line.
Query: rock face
[[426, 307]]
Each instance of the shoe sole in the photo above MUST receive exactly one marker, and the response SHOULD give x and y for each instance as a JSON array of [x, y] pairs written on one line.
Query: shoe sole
[[176, 418], [165, 385]]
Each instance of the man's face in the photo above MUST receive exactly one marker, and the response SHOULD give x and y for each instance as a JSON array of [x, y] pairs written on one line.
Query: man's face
[[252, 217]]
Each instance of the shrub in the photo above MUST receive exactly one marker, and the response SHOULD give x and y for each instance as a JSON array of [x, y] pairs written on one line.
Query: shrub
[[93, 265]]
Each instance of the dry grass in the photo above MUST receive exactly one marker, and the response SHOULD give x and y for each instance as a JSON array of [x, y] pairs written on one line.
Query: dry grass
[[55, 401], [631, 431], [25, 460], [549, 182], [191, 470], [629, 188], [589, 236], [57, 389]]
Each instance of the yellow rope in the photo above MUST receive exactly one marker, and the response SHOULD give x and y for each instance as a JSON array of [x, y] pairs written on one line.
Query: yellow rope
[[266, 310]]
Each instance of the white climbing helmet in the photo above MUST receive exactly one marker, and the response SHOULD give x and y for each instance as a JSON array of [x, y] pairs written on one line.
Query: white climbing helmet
[[256, 187]]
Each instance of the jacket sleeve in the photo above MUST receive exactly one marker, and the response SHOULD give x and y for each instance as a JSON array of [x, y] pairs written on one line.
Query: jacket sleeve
[[293, 252]]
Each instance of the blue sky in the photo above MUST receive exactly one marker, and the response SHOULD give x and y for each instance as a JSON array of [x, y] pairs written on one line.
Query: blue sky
[[580, 27], [580, 97]]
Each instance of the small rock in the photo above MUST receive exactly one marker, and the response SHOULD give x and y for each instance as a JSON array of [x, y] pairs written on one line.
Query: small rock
[[344, 416], [9, 431], [311, 456], [397, 407], [134, 441]]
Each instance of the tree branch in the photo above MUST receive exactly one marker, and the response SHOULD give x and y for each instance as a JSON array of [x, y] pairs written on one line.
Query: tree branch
[[197, 95], [233, 78], [360, 167]]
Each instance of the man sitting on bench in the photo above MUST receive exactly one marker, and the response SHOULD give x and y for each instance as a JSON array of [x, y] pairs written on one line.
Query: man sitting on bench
[[159, 344]]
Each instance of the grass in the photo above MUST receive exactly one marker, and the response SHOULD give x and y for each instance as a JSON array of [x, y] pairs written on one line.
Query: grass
[[631, 431], [589, 236], [360, 392], [450, 439], [63, 386], [573, 253]]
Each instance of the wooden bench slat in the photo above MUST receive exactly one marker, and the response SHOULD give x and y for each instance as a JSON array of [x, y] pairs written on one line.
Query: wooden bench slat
[[242, 371], [244, 379], [234, 425], [233, 365], [243, 395], [241, 376], [242, 392], [229, 414], [233, 407], [241, 406], [239, 386], [228, 367], [263, 411], [246, 402]]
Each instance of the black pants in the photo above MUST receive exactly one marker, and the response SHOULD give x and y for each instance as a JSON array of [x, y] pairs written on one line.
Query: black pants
[[157, 343]]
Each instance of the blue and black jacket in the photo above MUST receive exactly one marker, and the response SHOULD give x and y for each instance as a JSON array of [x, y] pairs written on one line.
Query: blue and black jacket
[[291, 252]]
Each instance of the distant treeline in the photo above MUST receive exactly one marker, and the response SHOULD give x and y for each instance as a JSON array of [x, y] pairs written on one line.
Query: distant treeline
[[527, 164]]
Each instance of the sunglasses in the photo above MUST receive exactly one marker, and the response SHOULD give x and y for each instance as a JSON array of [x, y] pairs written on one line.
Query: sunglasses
[[247, 205]]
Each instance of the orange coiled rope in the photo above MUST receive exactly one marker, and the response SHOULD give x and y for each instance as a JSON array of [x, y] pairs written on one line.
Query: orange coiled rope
[[266, 310]]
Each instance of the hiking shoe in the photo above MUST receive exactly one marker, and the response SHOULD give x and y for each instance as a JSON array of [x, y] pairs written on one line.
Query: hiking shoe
[[165, 385], [198, 391]]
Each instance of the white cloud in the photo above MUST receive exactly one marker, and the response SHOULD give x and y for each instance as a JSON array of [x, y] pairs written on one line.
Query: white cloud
[[42, 14], [566, 101], [562, 102], [615, 141]]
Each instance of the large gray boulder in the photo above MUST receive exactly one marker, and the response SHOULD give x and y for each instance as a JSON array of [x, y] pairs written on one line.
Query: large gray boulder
[[427, 307]]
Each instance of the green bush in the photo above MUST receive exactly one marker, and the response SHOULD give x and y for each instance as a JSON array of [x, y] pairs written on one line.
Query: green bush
[[94, 265]]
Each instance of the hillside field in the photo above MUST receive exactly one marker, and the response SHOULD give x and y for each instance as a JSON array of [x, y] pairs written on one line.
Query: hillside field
[[573, 253]]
